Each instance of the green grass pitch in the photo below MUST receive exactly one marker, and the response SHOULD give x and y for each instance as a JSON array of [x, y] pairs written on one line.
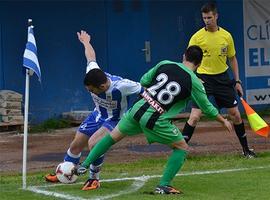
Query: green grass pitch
[[202, 177]]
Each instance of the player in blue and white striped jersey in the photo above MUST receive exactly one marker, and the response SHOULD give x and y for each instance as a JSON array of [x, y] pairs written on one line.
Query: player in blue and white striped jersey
[[111, 98], [112, 103]]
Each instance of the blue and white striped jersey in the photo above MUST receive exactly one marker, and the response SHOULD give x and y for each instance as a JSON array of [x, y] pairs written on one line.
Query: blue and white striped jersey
[[114, 102]]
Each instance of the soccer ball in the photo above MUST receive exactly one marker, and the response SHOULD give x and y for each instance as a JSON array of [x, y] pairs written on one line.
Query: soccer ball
[[64, 172]]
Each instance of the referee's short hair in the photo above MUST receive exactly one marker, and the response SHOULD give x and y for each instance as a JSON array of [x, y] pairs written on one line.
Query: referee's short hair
[[194, 54], [95, 77], [208, 7]]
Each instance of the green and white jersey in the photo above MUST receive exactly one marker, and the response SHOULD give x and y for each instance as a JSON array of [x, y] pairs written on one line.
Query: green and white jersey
[[170, 85]]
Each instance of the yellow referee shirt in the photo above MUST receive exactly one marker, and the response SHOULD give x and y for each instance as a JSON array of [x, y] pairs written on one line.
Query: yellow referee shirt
[[216, 46]]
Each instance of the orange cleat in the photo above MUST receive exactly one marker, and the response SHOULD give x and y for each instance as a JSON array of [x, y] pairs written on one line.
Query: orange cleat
[[51, 178], [91, 184]]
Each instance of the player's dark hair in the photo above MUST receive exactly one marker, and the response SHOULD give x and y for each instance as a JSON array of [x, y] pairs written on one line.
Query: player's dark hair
[[208, 7], [95, 77], [194, 54]]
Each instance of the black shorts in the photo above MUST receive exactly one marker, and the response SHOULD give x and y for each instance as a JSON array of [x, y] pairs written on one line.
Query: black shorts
[[221, 88]]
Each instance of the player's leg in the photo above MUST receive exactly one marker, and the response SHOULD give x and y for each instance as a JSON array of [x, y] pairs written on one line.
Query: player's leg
[[87, 128], [95, 167], [174, 164], [103, 146], [166, 133], [126, 126], [196, 113], [225, 97], [239, 128], [190, 125], [73, 154], [79, 142]]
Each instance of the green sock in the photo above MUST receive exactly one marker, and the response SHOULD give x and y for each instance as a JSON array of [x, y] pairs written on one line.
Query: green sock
[[99, 149], [175, 162]]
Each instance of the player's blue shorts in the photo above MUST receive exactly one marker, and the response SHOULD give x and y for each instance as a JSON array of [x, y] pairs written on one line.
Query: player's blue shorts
[[89, 126]]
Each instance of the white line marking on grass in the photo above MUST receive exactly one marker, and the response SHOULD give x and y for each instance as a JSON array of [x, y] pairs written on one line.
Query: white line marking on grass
[[138, 183], [54, 194], [103, 181]]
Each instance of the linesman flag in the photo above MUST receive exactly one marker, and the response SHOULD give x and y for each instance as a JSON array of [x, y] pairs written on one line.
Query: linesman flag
[[257, 124], [30, 59]]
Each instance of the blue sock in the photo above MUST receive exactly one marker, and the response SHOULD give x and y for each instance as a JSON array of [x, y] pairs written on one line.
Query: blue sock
[[70, 157]]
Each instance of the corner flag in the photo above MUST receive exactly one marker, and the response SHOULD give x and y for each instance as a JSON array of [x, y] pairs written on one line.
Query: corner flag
[[30, 62], [30, 59]]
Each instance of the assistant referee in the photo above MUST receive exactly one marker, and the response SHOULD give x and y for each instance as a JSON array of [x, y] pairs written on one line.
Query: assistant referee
[[218, 47]]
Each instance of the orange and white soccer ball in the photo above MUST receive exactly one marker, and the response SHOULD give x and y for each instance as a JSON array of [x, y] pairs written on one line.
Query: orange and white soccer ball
[[64, 172]]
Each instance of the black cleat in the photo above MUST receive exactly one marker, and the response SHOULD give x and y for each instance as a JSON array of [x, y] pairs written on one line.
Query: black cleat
[[167, 190], [249, 154]]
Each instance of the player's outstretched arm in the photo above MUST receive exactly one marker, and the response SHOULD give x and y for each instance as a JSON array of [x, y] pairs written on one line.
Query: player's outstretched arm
[[85, 39]]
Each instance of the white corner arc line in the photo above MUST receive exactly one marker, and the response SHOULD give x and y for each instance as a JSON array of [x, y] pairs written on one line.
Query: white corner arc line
[[133, 188], [136, 185], [53, 194]]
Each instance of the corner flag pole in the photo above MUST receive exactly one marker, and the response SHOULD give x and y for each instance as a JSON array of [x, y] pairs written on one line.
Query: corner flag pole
[[31, 64], [25, 127]]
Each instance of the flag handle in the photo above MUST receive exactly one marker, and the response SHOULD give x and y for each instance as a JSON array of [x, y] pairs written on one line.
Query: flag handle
[[239, 94]]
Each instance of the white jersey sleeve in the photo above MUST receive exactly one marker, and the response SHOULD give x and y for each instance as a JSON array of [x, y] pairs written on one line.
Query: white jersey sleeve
[[91, 65], [128, 87]]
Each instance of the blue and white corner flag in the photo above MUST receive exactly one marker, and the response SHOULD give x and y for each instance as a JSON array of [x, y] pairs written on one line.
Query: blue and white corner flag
[[30, 59]]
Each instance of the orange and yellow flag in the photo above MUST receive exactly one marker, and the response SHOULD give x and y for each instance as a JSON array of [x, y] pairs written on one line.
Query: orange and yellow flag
[[257, 124]]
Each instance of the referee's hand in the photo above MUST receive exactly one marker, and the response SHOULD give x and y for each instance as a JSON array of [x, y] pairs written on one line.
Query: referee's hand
[[239, 89]]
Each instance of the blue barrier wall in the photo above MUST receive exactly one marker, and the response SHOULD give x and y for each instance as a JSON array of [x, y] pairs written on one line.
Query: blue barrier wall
[[119, 30], [61, 56]]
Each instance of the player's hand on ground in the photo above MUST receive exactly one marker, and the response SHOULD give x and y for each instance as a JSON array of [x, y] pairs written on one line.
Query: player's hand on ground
[[228, 126], [80, 170], [84, 37]]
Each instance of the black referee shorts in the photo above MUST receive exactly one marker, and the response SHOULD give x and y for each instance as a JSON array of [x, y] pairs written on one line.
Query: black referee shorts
[[221, 88]]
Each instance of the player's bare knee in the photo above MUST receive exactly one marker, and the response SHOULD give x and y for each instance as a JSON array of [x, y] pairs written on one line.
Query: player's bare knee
[[237, 120], [193, 120], [180, 145], [75, 148], [90, 144], [235, 116], [194, 117]]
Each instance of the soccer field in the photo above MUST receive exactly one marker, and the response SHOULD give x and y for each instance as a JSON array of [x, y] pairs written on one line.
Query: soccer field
[[202, 177]]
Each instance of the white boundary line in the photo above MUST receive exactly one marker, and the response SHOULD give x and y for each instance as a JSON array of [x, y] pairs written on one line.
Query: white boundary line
[[138, 183]]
